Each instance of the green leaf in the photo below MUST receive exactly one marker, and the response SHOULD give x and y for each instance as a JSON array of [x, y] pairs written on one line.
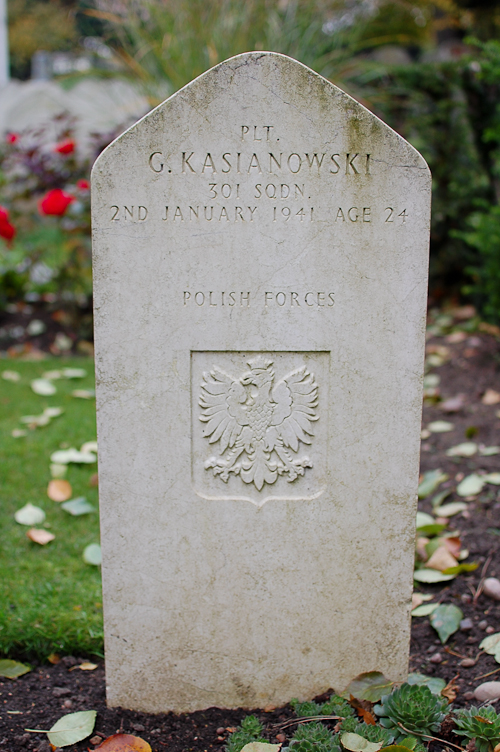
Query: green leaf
[[471, 485], [424, 519], [449, 510], [440, 426], [491, 644], [261, 747], [92, 554], [78, 506], [446, 620], [431, 576], [64, 456], [72, 728], [429, 530], [435, 685], [461, 568], [467, 449], [357, 743], [489, 451], [395, 748], [492, 478], [369, 686], [425, 609], [29, 515], [431, 480], [74, 373], [410, 742], [440, 497], [12, 669]]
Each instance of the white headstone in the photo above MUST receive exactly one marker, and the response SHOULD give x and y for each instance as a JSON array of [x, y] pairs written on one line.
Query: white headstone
[[260, 261]]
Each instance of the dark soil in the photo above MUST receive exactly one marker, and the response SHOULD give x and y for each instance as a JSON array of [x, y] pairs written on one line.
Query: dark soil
[[38, 699]]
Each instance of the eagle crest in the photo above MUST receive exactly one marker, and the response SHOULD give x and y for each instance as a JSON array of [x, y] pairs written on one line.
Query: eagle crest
[[258, 424]]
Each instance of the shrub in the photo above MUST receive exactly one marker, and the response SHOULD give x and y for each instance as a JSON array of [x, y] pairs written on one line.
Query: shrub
[[480, 724]]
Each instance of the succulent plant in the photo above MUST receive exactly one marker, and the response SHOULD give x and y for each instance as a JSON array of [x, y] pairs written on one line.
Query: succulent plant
[[349, 724], [336, 705], [314, 737], [480, 724], [251, 730], [374, 733], [411, 709]]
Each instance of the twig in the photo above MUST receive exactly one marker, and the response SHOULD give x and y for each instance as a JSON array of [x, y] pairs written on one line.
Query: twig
[[306, 719], [480, 587], [433, 738], [483, 676], [452, 652]]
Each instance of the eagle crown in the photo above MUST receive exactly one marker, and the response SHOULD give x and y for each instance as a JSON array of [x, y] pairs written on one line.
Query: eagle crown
[[260, 374]]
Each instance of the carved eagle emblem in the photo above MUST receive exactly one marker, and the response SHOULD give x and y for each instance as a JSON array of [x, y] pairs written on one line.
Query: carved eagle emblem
[[257, 423]]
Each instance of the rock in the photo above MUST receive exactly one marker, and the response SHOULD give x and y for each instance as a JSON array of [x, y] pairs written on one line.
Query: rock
[[220, 731], [483, 624], [69, 660], [490, 630], [466, 624], [95, 740], [468, 662], [487, 691], [491, 588], [281, 738], [44, 746], [61, 691], [468, 695], [436, 658], [140, 727], [67, 704], [466, 598]]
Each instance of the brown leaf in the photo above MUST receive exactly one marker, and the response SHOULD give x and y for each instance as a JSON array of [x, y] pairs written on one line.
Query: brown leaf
[[441, 559], [40, 536], [480, 718], [451, 689], [453, 545], [54, 658], [59, 490], [363, 708], [124, 743], [94, 480], [453, 404]]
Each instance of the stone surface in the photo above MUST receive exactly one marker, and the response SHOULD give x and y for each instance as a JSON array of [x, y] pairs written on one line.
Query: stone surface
[[487, 691], [260, 261], [491, 588]]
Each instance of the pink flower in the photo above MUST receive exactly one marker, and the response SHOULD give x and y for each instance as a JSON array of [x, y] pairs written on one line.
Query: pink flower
[[4, 214], [55, 202], [83, 185], [12, 138], [65, 147], [7, 231]]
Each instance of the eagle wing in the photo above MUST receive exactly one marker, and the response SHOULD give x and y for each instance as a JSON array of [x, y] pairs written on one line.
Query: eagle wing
[[222, 402], [295, 397]]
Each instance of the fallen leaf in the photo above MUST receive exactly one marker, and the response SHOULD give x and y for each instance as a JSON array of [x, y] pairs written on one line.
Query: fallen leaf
[[59, 490], [449, 510], [493, 478], [83, 393], [424, 519], [87, 666], [471, 485], [42, 537], [65, 456], [463, 313], [490, 397], [357, 743], [485, 451], [364, 710], [430, 481], [455, 337], [94, 480], [435, 684], [451, 690], [453, 404], [12, 669], [43, 387], [29, 515], [52, 375], [129, 743], [440, 426], [461, 568], [453, 544], [78, 506], [446, 620], [431, 380], [57, 470], [89, 446], [424, 434], [11, 376], [70, 728], [441, 559], [92, 554], [467, 449], [74, 373], [418, 598], [431, 576], [425, 610], [18, 432], [53, 412], [368, 686], [491, 645], [54, 658], [421, 548]]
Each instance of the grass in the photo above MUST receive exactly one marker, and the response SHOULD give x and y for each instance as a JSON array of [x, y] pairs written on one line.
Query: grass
[[50, 599]]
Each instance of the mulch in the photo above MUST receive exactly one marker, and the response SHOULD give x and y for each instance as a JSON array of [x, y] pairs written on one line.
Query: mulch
[[40, 698]]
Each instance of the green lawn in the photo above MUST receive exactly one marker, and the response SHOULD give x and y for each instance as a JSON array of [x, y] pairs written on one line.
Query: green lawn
[[50, 599]]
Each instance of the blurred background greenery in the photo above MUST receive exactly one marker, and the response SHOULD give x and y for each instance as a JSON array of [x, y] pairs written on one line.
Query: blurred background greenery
[[429, 68]]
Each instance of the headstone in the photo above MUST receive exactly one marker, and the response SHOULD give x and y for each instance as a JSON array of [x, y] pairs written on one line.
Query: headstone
[[260, 261]]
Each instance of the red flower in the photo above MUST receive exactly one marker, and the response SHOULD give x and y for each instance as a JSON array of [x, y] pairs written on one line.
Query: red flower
[[65, 147], [7, 231], [11, 138], [55, 202], [83, 185]]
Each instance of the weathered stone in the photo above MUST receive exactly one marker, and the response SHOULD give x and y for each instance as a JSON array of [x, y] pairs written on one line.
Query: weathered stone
[[491, 588], [260, 261], [487, 691]]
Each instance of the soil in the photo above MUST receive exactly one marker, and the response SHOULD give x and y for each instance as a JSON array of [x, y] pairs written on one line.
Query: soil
[[38, 699]]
